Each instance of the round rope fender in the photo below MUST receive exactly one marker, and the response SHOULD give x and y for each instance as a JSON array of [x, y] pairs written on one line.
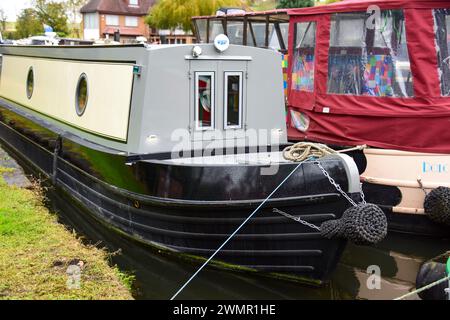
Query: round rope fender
[[365, 224], [437, 205], [428, 273]]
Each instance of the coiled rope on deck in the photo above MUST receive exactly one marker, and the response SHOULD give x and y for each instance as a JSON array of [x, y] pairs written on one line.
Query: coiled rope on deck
[[303, 150]]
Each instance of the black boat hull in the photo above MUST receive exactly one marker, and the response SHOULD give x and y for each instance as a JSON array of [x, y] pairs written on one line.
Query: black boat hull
[[185, 209]]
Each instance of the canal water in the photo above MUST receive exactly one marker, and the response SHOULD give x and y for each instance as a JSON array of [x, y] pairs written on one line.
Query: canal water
[[159, 276]]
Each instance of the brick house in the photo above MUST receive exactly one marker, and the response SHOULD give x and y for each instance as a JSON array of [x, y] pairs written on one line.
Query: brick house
[[102, 18]]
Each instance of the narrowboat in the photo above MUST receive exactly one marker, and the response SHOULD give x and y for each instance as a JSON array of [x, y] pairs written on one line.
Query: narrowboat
[[175, 146], [375, 73]]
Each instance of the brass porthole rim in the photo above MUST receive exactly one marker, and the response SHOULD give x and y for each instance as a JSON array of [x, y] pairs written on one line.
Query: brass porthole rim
[[82, 77]]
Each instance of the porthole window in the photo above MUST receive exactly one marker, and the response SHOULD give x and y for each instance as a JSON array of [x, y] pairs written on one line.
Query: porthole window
[[82, 95], [30, 83]]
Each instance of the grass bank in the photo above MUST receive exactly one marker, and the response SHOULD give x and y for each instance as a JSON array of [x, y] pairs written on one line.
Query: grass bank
[[41, 259]]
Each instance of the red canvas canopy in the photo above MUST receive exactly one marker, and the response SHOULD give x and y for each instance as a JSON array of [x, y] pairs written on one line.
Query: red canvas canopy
[[387, 86]]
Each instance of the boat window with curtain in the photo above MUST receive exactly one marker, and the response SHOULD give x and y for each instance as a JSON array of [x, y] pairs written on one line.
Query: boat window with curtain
[[369, 61], [442, 21], [304, 57], [204, 100]]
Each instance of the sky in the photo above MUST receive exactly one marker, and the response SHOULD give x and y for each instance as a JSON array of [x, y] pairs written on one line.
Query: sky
[[12, 8]]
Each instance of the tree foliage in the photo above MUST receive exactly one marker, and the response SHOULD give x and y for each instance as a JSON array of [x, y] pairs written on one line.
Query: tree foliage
[[73, 9], [3, 19], [295, 4], [53, 14], [169, 14], [28, 24]]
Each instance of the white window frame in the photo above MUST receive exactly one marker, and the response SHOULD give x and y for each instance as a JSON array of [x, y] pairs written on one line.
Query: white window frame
[[227, 74], [136, 3], [134, 18], [111, 16], [212, 74]]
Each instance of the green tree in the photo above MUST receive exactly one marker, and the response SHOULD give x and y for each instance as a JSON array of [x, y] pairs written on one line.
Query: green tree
[[53, 14], [169, 14], [295, 4], [3, 18], [28, 24], [73, 9]]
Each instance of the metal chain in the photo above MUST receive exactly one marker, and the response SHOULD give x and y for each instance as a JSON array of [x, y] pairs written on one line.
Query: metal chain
[[336, 185], [363, 196], [298, 219]]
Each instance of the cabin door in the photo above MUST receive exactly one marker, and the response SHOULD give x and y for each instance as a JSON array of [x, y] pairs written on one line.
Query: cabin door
[[218, 99]]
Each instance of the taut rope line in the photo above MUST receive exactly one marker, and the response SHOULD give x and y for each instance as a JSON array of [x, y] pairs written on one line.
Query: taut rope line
[[237, 230]]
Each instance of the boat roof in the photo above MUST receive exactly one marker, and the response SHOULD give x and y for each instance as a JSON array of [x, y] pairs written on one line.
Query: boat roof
[[362, 5], [341, 6], [255, 15]]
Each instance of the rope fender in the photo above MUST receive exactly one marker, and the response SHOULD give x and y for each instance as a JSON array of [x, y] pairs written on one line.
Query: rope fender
[[437, 205], [434, 278], [365, 224]]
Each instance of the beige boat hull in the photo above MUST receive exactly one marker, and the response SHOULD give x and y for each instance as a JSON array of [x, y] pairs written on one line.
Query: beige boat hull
[[413, 173]]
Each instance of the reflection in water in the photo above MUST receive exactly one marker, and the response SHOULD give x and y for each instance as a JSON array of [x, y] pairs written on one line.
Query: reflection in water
[[159, 276]]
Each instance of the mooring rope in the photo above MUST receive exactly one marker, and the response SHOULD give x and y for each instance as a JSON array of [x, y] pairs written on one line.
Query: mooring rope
[[239, 228], [300, 152], [423, 288]]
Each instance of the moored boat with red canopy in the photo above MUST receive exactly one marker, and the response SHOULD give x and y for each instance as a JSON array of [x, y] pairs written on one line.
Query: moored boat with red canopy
[[377, 73]]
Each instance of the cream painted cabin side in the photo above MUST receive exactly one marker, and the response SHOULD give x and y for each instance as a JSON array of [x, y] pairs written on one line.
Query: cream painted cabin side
[[139, 96]]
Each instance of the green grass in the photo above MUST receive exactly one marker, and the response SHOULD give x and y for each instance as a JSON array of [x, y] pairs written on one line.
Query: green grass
[[35, 252]]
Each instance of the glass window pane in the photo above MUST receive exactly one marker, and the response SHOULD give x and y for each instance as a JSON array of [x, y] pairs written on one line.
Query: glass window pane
[[215, 28], [204, 100], [259, 31], [30, 83], [274, 42], [284, 27], [236, 32], [304, 57], [201, 27], [112, 20], [82, 95], [233, 99], [442, 21], [131, 21], [369, 62]]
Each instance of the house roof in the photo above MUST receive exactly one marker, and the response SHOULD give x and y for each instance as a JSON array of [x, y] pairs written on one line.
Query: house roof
[[118, 7]]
